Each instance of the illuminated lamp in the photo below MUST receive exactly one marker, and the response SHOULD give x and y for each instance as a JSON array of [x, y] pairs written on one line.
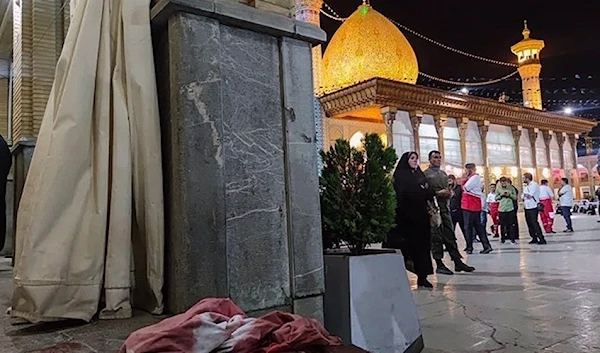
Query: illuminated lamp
[[356, 141]]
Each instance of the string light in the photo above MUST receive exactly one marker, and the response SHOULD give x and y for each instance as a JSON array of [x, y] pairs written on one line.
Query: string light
[[337, 17], [471, 84]]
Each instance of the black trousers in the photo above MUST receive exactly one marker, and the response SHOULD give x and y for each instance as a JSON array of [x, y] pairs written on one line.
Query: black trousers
[[507, 225], [535, 231], [458, 218], [473, 222]]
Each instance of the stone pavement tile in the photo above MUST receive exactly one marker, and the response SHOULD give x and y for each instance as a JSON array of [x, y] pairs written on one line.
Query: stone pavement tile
[[522, 298]]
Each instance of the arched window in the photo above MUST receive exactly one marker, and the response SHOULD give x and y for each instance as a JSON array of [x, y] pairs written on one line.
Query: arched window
[[356, 140]]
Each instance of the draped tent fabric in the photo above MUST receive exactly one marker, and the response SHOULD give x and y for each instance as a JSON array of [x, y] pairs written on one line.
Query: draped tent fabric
[[90, 226]]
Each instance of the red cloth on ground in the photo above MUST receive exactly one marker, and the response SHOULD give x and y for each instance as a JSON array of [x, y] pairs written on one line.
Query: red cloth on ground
[[219, 325], [547, 220]]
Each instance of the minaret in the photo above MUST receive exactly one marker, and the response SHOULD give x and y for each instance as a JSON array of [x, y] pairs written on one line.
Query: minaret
[[310, 11], [528, 53]]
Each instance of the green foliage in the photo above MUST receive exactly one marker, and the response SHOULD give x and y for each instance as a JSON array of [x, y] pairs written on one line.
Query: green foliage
[[358, 202]]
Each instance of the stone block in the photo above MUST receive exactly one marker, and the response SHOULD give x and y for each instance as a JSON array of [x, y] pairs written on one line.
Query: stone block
[[311, 307], [303, 180], [242, 204], [253, 150]]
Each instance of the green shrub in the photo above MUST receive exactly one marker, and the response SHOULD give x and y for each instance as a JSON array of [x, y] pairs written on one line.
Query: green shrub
[[358, 202]]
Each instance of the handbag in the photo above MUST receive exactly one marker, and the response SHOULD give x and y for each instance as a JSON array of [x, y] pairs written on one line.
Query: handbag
[[435, 218]]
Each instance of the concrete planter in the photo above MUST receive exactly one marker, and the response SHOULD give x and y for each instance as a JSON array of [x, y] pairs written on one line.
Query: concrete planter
[[368, 302]]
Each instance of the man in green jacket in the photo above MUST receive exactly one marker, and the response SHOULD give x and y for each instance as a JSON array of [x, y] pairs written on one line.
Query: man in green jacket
[[506, 195], [444, 234]]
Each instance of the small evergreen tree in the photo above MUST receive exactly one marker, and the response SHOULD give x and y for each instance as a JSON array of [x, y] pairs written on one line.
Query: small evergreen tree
[[358, 202]]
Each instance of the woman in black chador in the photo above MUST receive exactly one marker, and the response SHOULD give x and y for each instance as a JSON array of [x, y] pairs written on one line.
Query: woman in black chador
[[412, 234]]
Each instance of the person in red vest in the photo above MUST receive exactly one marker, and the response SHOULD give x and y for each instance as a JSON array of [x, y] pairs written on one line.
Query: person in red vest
[[471, 205]]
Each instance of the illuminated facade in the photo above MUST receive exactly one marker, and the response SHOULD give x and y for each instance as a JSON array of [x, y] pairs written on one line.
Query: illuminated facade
[[369, 75]]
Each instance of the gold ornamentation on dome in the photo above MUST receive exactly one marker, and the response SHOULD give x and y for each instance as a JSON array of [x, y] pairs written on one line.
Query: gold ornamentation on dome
[[367, 45]]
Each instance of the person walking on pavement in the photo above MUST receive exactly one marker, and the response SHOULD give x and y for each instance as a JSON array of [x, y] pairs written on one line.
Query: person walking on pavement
[[531, 200], [443, 236], [516, 206], [565, 197], [493, 205], [505, 195], [471, 205], [455, 208], [5, 165], [547, 213]]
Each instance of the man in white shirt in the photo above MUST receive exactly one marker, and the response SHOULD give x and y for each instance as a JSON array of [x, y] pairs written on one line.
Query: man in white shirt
[[547, 213], [531, 198], [472, 205], [565, 197]]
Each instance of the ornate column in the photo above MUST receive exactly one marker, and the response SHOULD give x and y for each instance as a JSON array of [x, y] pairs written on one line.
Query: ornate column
[[560, 138], [484, 127], [517, 132], [589, 150], [463, 125], [533, 135], [548, 134], [440, 123], [389, 115], [309, 11], [415, 121], [589, 146], [572, 140]]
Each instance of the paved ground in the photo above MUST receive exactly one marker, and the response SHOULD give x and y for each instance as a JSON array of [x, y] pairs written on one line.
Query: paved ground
[[66, 337], [522, 298]]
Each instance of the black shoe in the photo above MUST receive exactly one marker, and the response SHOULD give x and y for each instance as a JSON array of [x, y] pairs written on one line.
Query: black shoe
[[424, 283], [443, 270], [496, 236], [542, 242], [553, 232], [463, 267], [502, 241], [469, 251], [513, 242], [534, 241], [486, 251]]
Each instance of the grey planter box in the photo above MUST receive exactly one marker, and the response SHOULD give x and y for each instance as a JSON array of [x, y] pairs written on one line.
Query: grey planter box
[[368, 302]]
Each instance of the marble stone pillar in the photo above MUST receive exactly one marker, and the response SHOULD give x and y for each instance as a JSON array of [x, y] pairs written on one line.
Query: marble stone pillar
[[463, 125], [533, 136], [389, 115], [440, 121], [241, 187], [484, 127], [415, 121], [517, 132]]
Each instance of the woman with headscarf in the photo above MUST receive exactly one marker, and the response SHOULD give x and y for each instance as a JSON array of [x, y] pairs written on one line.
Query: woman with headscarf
[[412, 234]]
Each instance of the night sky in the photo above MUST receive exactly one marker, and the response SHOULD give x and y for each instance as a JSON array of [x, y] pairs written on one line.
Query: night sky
[[570, 61]]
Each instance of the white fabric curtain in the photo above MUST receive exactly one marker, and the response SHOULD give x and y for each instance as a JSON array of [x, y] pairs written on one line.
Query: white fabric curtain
[[501, 146], [92, 206], [428, 138], [452, 153], [568, 156], [474, 147], [404, 140], [540, 152], [525, 150]]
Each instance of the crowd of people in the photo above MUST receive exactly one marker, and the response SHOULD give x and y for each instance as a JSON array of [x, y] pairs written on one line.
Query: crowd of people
[[431, 204]]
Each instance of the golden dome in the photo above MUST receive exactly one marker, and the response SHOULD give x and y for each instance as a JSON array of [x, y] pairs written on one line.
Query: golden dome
[[367, 45]]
